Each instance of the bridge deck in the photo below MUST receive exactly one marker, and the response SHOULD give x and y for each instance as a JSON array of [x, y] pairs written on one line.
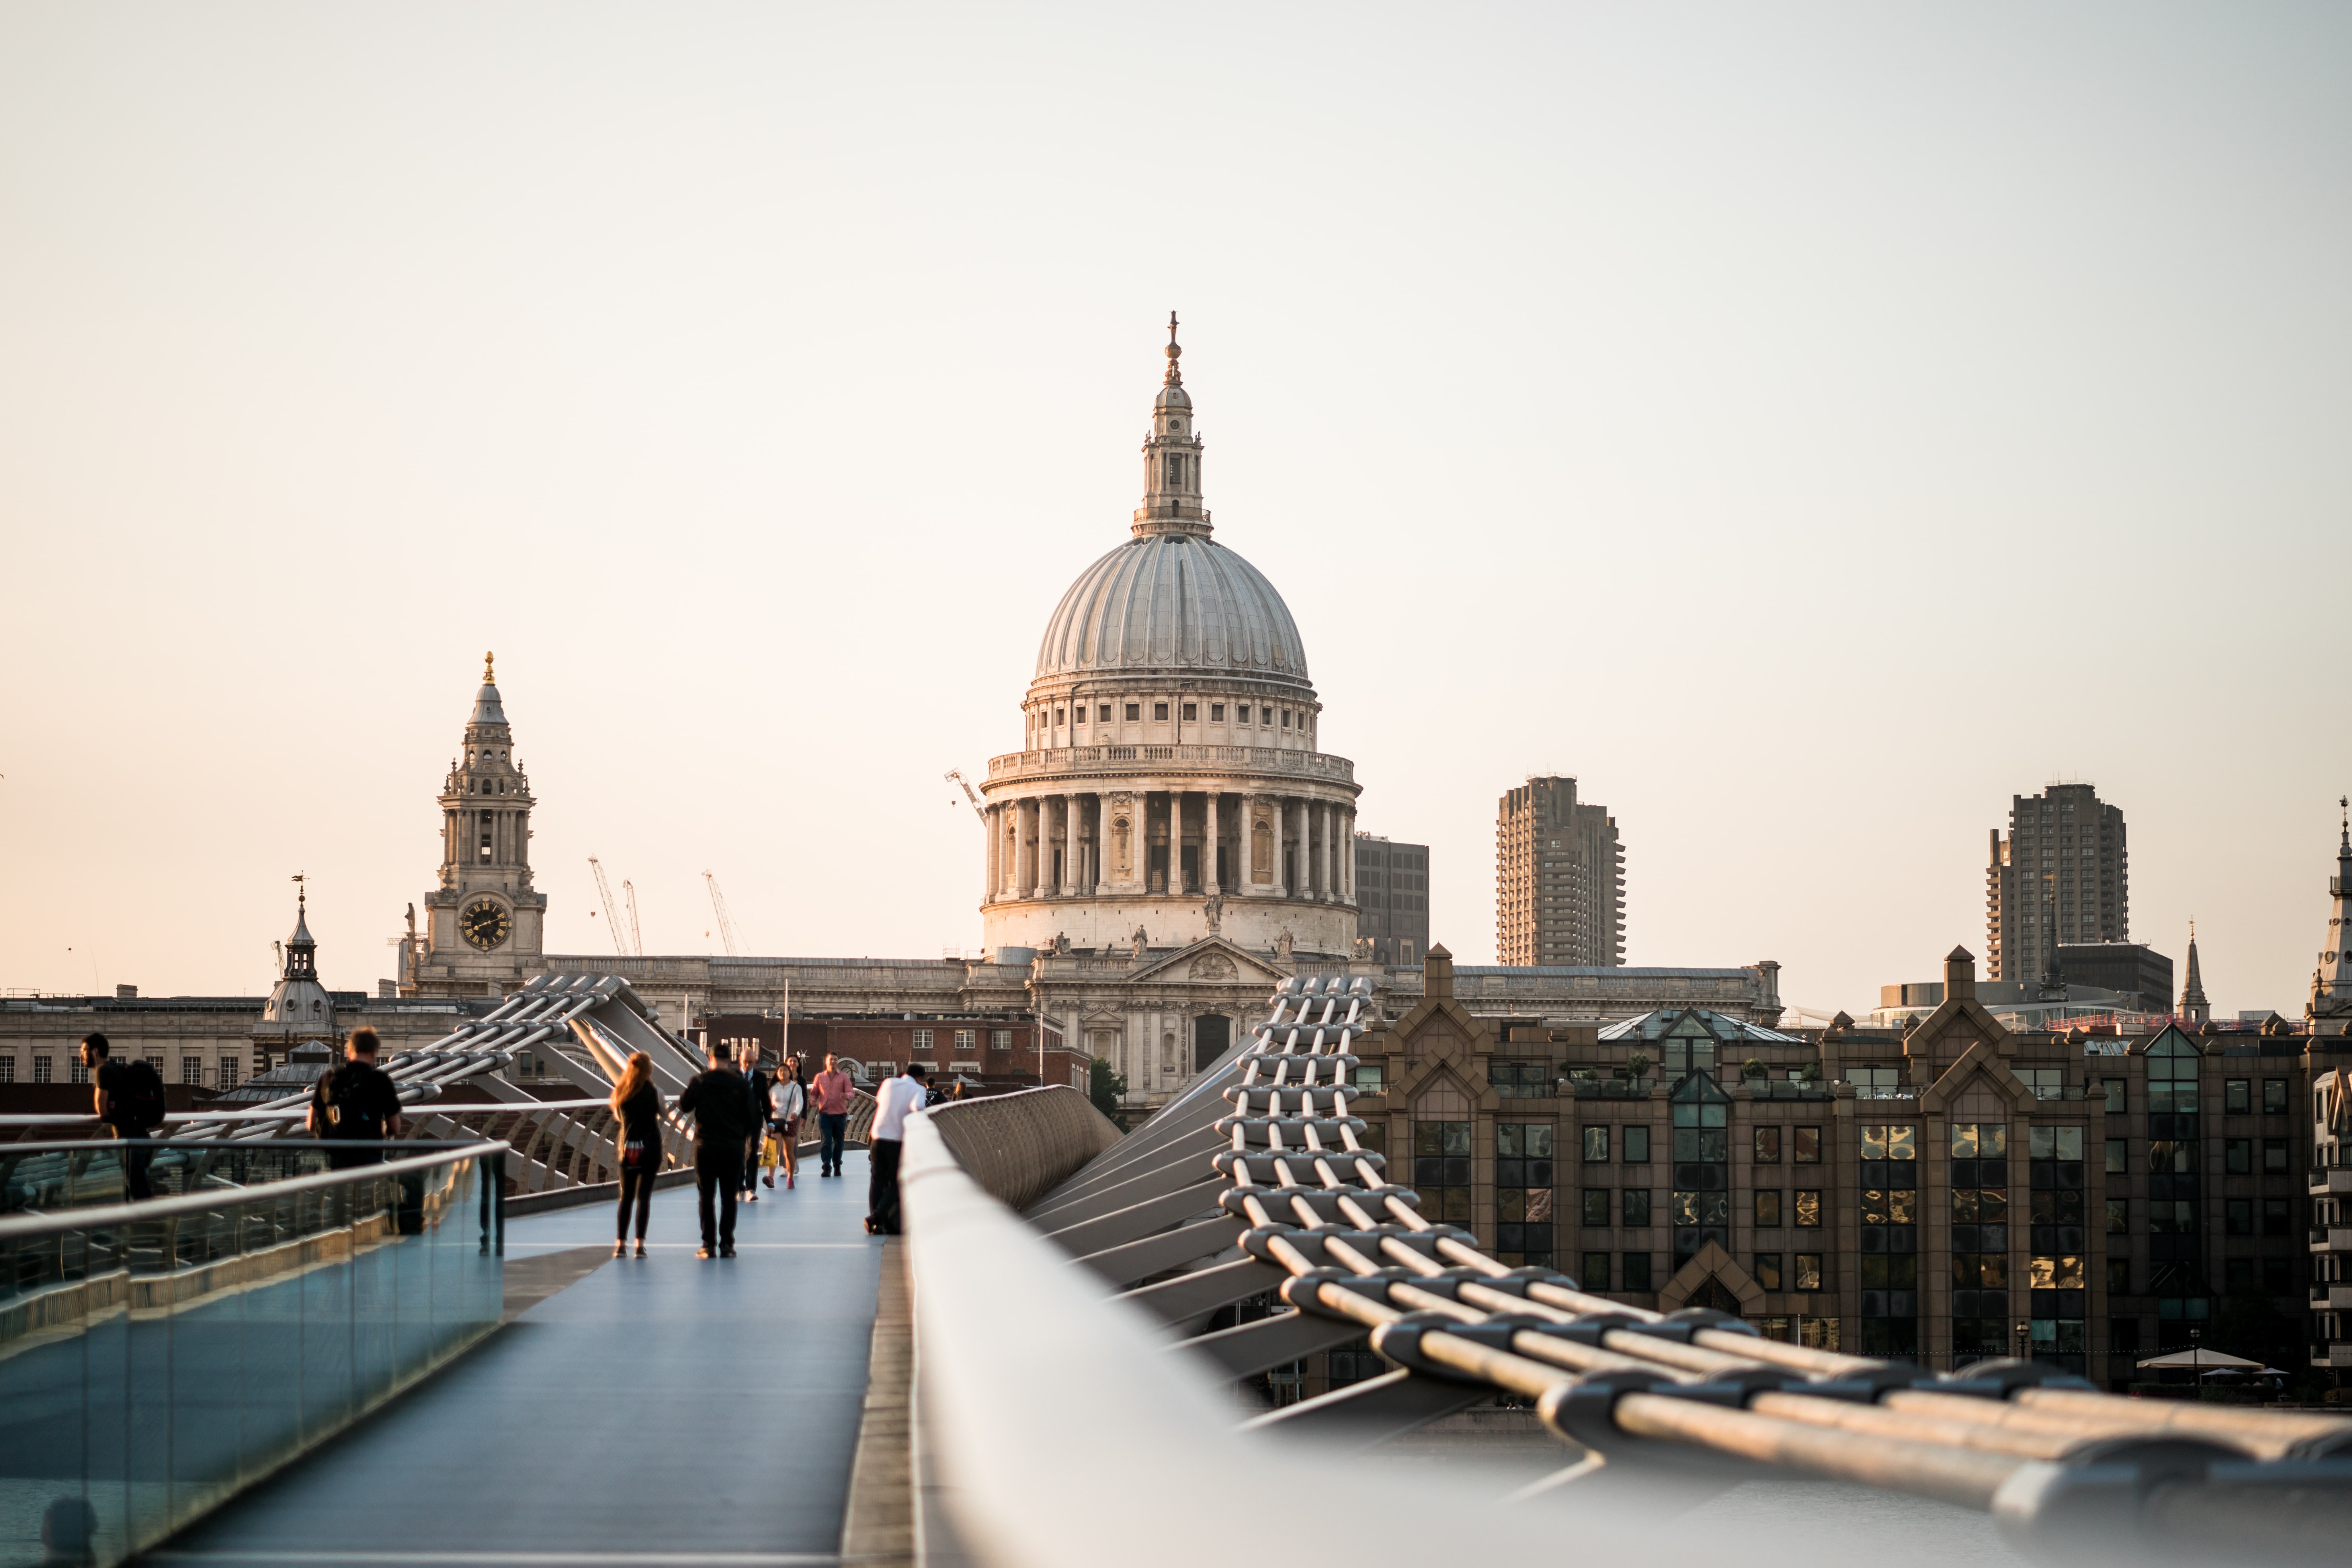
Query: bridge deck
[[672, 1411]]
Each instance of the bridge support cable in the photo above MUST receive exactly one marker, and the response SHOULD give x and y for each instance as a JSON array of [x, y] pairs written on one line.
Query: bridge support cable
[[1694, 1401]]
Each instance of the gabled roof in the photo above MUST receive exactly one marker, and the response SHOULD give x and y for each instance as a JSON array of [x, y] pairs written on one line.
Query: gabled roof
[[1696, 1023]]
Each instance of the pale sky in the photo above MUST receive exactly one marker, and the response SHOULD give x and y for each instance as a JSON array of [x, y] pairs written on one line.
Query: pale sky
[[1808, 425]]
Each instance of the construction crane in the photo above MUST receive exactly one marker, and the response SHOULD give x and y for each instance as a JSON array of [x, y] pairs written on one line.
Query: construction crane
[[636, 947], [726, 926], [955, 776], [611, 911]]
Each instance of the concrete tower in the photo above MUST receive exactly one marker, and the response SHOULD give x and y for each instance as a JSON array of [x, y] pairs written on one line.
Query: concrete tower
[[1559, 878], [1169, 787], [2062, 875], [485, 925]]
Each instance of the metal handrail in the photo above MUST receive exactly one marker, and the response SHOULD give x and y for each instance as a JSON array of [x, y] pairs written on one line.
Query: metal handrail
[[150, 1209], [1019, 1355]]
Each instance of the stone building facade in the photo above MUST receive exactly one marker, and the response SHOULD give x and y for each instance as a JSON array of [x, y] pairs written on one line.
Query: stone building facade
[[2061, 876], [1170, 786], [1559, 878], [485, 924], [211, 1043]]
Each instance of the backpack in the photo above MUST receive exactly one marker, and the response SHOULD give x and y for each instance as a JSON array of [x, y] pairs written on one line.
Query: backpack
[[139, 1095], [346, 1117]]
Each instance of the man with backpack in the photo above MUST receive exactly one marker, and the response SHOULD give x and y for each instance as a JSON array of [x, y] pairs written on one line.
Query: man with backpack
[[724, 1117], [355, 1103], [129, 1100]]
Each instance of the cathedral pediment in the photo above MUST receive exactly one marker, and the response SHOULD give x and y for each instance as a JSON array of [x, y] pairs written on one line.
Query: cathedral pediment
[[1212, 961]]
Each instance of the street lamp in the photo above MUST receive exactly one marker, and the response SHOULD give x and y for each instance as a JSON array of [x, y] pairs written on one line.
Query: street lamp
[[2196, 1357], [2023, 1329]]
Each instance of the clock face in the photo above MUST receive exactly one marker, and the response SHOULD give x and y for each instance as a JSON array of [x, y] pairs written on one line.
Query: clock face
[[485, 923]]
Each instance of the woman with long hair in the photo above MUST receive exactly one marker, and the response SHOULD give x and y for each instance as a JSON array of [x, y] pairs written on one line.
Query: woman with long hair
[[637, 1103], [785, 1104]]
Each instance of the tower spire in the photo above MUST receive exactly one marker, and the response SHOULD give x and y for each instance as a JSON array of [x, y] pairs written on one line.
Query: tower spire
[[1172, 457], [2193, 1004]]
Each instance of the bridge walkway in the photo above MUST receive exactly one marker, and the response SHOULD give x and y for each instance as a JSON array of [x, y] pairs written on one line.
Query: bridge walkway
[[672, 1411]]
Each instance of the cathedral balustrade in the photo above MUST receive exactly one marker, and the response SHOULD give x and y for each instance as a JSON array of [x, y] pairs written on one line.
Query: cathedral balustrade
[[1081, 759]]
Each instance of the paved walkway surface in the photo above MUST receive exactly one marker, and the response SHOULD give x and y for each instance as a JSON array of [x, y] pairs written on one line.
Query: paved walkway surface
[[672, 1411]]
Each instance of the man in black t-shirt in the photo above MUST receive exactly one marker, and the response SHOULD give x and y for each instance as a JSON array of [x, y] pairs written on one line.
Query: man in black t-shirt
[[128, 1098], [724, 1116], [355, 1103]]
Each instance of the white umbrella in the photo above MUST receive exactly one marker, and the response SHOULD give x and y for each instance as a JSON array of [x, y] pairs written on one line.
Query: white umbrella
[[2200, 1358]]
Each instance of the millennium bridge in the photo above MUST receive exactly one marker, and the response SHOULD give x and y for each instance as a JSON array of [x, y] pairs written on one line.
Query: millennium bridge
[[436, 1359]]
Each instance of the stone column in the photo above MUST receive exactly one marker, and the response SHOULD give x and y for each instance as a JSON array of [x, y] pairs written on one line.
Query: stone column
[[1330, 852], [1242, 849], [988, 855], [1033, 832], [1073, 879], [1209, 849]]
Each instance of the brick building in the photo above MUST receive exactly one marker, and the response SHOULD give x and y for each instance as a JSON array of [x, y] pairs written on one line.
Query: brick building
[[1943, 1193], [997, 1050]]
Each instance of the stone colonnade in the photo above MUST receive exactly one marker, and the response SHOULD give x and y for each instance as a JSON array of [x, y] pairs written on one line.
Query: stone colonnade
[[1083, 843]]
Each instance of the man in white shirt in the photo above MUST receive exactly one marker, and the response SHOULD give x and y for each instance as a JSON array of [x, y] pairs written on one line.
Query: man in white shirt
[[897, 1096]]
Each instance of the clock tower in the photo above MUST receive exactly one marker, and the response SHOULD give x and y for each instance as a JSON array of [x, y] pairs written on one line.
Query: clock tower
[[485, 927]]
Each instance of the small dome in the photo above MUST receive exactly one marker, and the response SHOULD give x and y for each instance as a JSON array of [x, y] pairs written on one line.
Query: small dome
[[1172, 601], [1173, 395]]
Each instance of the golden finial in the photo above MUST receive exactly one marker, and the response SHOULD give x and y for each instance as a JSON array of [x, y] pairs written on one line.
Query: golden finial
[[1175, 353], [489, 668]]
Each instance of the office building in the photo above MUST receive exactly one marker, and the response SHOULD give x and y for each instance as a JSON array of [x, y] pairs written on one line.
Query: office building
[[1391, 901]]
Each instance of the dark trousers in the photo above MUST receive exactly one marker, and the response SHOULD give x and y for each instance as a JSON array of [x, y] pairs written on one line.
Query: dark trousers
[[137, 1152], [637, 1189], [716, 1168], [882, 1184], [830, 1129], [342, 1155]]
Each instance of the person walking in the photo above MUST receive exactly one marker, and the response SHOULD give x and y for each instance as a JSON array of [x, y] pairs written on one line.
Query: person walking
[[637, 1103], [787, 1102], [720, 1104], [830, 1091], [128, 1097], [897, 1096], [747, 1062], [355, 1103]]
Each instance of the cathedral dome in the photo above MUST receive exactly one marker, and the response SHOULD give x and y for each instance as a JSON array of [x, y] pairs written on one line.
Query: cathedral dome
[[1172, 601]]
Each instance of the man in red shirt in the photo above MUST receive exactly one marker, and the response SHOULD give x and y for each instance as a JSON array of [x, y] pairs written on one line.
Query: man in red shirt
[[830, 1091]]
